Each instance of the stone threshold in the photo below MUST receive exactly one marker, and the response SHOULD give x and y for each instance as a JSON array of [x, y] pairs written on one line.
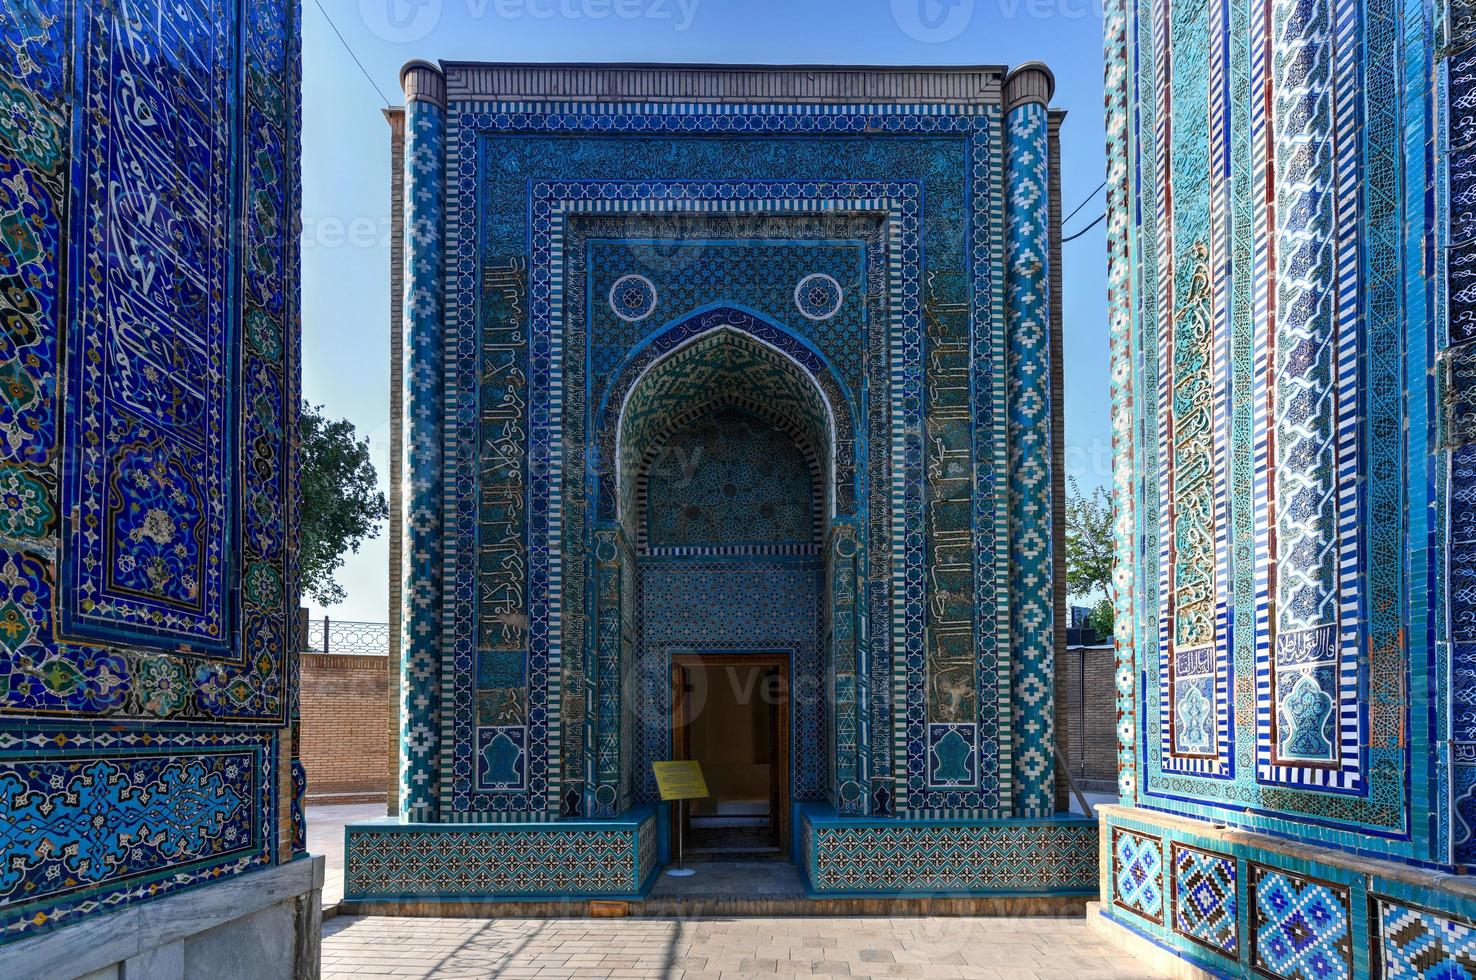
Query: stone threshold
[[699, 906]]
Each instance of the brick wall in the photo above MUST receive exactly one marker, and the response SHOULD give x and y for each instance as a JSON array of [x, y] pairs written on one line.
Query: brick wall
[[1086, 715], [345, 711]]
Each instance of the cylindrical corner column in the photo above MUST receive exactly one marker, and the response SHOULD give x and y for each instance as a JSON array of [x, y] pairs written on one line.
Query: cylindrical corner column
[[1027, 91], [423, 400]]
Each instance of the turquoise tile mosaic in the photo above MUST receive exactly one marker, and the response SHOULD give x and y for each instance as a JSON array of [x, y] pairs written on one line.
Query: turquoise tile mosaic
[[1290, 246], [843, 856], [387, 860]]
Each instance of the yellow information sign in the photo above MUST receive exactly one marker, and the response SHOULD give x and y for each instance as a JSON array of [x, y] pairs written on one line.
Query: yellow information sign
[[680, 780]]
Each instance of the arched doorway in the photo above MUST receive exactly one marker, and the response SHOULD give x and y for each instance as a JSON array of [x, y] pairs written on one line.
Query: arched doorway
[[725, 486]]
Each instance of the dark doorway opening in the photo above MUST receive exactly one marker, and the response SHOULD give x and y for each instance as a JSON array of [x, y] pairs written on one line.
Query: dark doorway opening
[[730, 712]]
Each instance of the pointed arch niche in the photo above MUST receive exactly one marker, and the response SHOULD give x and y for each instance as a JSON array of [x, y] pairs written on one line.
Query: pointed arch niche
[[725, 472]]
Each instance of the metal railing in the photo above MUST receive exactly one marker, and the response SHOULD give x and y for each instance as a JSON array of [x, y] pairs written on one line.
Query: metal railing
[[344, 636]]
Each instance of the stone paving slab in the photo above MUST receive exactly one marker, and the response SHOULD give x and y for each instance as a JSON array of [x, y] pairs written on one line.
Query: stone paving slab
[[325, 836], [362, 947]]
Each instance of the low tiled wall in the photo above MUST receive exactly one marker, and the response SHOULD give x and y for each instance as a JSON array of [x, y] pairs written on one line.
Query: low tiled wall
[[1232, 902], [902, 857], [389, 861]]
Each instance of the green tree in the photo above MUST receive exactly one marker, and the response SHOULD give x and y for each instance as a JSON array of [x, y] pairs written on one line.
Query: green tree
[[341, 505], [1089, 551], [1101, 619]]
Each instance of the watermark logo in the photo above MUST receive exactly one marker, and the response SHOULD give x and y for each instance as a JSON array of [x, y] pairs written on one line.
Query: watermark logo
[[933, 21], [400, 21], [406, 21]]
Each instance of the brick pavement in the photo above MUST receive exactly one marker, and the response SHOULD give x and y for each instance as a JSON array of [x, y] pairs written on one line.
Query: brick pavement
[[721, 949]]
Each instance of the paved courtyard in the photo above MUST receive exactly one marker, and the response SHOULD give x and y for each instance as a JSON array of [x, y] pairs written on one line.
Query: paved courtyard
[[721, 949]]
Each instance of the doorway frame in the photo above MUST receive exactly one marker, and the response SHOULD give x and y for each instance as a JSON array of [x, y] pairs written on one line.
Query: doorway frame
[[680, 743]]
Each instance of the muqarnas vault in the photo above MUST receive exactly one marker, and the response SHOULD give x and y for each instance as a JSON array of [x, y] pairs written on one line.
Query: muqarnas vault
[[836, 293], [1291, 248]]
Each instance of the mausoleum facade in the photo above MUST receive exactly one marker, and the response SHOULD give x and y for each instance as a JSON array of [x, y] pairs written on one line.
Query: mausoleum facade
[[706, 372]]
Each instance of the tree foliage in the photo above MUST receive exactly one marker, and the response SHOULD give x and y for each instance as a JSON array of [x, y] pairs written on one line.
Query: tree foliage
[[1101, 619], [341, 504], [1089, 549]]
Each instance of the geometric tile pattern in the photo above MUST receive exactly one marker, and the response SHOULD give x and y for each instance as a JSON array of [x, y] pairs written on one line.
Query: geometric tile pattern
[[1460, 434], [420, 680], [1137, 874], [388, 861], [1302, 929], [1415, 944], [1027, 303], [901, 856], [1205, 908]]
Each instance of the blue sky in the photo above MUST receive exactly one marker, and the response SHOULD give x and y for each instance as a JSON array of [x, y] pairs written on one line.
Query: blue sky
[[345, 265]]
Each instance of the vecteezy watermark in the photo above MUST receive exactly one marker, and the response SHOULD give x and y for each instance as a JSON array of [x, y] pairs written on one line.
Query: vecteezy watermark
[[403, 21], [932, 21], [400, 21]]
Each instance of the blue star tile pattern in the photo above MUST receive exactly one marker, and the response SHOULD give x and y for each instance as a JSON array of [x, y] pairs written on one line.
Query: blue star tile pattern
[[1302, 928], [1137, 874], [1418, 944], [1205, 899]]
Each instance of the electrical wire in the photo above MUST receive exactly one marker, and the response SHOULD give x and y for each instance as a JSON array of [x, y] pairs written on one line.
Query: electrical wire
[[1084, 201], [369, 78], [1097, 220]]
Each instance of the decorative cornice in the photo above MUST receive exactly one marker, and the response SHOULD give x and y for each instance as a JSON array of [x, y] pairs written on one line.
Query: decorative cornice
[[423, 80], [977, 84], [1030, 82]]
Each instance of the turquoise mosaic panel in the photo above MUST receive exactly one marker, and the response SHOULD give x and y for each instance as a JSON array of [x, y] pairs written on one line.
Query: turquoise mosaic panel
[[846, 856], [690, 268], [1301, 928], [1264, 256], [387, 861], [1261, 906], [1027, 311], [1137, 874], [93, 822], [633, 282], [730, 480], [420, 647], [1412, 943], [1205, 889]]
